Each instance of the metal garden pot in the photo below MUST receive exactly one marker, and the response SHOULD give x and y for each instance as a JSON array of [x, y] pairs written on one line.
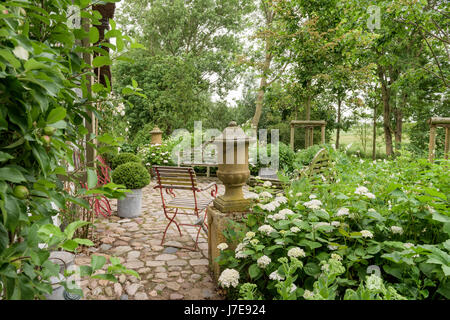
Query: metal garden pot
[[131, 206]]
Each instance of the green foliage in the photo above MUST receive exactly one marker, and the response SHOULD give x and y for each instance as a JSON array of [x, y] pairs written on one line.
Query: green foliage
[[391, 216], [41, 122], [160, 155], [285, 154], [124, 157], [131, 174]]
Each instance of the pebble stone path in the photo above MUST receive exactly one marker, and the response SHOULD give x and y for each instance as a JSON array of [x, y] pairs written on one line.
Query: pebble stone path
[[167, 273]]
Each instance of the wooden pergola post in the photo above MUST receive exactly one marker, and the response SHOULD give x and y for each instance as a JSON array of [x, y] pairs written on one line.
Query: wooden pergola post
[[309, 126], [434, 123]]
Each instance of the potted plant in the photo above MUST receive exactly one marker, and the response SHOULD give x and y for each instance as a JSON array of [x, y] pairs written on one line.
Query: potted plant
[[135, 177], [123, 158]]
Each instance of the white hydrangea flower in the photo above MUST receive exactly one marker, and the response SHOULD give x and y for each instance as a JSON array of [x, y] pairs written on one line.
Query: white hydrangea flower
[[320, 224], [372, 210], [370, 195], [281, 199], [266, 229], [296, 252], [250, 235], [263, 262], [335, 224], [298, 194], [308, 294], [342, 212], [240, 255], [279, 216], [293, 288], [295, 229], [325, 267], [251, 195], [222, 246], [361, 190], [335, 256], [374, 282], [287, 212], [408, 245], [396, 230], [254, 242], [331, 247], [312, 196], [366, 234], [265, 194], [276, 276], [272, 206], [267, 184], [313, 204], [229, 277]]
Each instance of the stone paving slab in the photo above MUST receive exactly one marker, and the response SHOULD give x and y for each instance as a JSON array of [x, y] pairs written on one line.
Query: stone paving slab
[[166, 272]]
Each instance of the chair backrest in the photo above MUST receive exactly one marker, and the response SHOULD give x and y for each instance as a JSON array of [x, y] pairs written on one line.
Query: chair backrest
[[175, 177]]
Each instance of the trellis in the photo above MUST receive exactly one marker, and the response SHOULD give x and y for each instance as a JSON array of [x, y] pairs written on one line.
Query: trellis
[[309, 126], [434, 124]]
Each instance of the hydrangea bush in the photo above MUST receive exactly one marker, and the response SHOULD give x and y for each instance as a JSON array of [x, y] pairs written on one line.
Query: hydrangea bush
[[390, 217], [158, 154]]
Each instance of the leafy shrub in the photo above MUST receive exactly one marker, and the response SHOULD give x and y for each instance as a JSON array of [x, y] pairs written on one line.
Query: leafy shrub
[[285, 153], [158, 154], [388, 216], [131, 174], [123, 158]]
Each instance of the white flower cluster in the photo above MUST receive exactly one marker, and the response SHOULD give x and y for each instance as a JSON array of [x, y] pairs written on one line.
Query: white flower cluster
[[251, 195], [296, 252], [364, 192], [276, 276], [366, 234], [239, 251], [342, 212], [396, 230], [266, 229], [295, 229], [222, 246], [265, 194], [374, 283], [308, 295], [267, 184], [263, 262], [335, 256], [312, 196], [229, 277], [313, 204]]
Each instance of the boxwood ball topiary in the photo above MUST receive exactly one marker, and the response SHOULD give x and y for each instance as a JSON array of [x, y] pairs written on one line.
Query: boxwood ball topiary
[[131, 174], [122, 158]]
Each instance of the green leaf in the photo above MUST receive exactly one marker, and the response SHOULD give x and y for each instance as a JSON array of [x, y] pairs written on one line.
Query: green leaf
[[56, 115], [108, 277], [69, 245], [5, 156], [94, 35], [114, 260], [254, 271], [9, 57], [97, 262], [101, 61], [34, 65], [11, 174], [311, 269], [72, 227], [4, 239], [91, 178], [84, 242]]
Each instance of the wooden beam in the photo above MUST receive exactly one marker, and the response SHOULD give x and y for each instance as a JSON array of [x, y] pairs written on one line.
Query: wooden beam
[[323, 134], [439, 121], [311, 136], [432, 144], [314, 123], [292, 137], [447, 142]]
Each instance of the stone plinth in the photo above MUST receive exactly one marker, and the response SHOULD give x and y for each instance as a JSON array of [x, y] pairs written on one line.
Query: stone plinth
[[218, 222], [156, 135]]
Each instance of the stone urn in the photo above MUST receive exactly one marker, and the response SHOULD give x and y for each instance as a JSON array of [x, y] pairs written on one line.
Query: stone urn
[[233, 169], [156, 135]]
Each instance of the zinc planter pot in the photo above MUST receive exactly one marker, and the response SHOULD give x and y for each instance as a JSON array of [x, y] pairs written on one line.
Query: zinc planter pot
[[131, 206]]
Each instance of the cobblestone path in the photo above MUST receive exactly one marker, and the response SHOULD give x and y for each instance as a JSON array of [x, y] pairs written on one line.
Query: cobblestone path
[[167, 273]]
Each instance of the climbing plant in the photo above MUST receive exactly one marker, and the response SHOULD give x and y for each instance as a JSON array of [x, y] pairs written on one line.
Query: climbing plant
[[45, 101]]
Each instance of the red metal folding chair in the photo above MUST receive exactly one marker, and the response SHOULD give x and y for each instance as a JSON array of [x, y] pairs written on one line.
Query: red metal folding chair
[[176, 178]]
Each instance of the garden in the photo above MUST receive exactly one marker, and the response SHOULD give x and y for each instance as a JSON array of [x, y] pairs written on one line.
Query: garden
[[344, 191]]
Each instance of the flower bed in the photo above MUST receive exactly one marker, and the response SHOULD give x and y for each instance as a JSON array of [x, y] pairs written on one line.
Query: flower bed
[[380, 231]]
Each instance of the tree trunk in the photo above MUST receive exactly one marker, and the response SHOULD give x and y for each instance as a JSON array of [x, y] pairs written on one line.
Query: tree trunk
[[338, 133], [374, 140], [398, 114], [266, 68], [386, 96]]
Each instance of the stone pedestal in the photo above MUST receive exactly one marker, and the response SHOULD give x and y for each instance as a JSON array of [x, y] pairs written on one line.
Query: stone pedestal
[[218, 222], [156, 135]]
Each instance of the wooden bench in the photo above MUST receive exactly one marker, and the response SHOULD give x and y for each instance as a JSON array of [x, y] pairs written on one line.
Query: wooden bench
[[319, 169], [169, 179]]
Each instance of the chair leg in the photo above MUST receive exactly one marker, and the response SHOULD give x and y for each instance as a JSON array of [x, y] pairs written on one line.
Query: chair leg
[[172, 220]]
